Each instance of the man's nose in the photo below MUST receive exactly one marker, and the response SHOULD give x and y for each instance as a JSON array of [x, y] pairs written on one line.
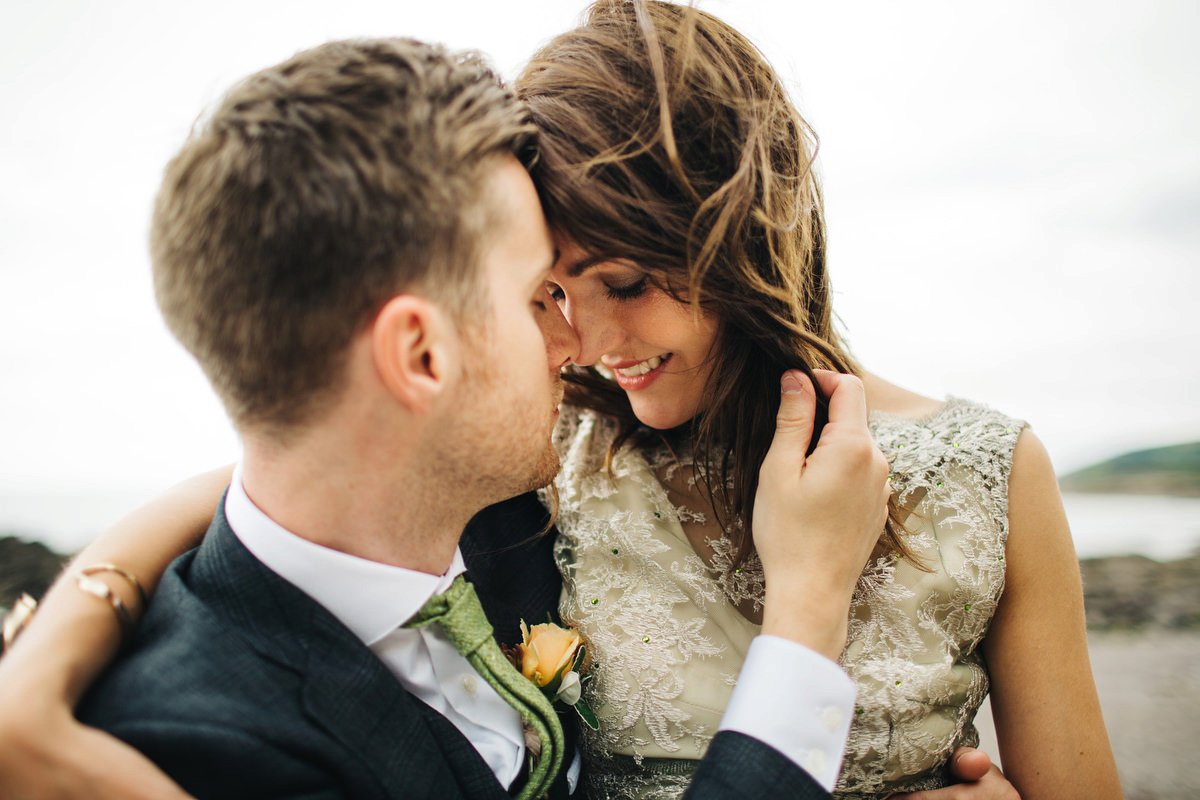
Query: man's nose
[[562, 343]]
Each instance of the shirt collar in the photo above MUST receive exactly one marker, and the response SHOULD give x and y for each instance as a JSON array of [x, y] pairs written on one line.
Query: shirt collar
[[369, 598]]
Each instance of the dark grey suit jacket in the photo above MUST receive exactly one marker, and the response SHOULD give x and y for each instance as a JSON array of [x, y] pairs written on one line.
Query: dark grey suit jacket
[[239, 685]]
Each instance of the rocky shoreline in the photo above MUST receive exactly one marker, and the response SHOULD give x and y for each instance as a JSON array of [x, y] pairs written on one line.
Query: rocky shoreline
[[1138, 593], [26, 567], [1120, 593]]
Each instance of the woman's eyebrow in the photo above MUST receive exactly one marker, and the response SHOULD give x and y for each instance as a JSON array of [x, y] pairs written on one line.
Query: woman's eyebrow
[[577, 268]]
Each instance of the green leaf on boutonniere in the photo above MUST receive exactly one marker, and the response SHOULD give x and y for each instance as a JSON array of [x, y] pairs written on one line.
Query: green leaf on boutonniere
[[586, 714], [579, 654]]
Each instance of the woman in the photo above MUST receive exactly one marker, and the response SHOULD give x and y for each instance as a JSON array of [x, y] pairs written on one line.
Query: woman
[[678, 177]]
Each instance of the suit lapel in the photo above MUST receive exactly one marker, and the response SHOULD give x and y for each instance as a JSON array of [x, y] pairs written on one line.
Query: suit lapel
[[347, 691], [511, 566], [352, 695]]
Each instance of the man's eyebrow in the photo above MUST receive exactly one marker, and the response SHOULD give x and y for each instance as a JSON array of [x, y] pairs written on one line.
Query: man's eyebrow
[[539, 279]]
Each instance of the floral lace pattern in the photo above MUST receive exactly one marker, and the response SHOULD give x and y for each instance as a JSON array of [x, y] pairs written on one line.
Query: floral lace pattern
[[668, 641]]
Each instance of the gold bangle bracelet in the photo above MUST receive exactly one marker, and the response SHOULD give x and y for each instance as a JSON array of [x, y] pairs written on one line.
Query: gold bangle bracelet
[[101, 589], [92, 569], [18, 617]]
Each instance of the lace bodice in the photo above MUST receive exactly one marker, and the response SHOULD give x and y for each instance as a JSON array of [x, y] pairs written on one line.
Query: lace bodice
[[668, 641]]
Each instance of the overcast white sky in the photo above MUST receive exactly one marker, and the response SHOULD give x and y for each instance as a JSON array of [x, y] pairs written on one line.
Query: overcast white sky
[[1013, 199]]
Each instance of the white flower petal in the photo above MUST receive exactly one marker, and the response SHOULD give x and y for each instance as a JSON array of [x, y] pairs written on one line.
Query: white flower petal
[[570, 690]]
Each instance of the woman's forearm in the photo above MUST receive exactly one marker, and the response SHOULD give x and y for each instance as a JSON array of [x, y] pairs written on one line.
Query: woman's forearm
[[75, 634]]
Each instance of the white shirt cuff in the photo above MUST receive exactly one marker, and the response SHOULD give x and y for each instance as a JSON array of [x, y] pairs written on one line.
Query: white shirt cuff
[[573, 772], [797, 701]]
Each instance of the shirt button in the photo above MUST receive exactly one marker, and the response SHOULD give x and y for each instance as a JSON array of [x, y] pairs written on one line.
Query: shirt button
[[815, 763], [831, 718], [470, 684]]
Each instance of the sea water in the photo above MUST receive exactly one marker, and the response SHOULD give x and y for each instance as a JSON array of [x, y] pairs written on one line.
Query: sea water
[[1162, 528]]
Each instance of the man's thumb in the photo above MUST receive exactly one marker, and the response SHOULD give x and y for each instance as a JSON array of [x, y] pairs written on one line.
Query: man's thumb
[[797, 412]]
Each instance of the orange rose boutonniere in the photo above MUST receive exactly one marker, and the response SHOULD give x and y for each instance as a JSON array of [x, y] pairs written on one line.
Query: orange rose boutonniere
[[551, 657]]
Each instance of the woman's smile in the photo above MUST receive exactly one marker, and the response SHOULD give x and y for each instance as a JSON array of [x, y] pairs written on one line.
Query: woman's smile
[[634, 375]]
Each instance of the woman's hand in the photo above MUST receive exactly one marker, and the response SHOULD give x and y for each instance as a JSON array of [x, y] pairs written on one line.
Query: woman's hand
[[45, 754], [817, 517]]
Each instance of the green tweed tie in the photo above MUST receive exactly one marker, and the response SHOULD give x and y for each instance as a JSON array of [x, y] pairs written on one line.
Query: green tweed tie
[[461, 616]]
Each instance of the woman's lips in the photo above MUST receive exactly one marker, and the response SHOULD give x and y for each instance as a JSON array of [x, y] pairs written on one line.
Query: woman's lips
[[634, 375]]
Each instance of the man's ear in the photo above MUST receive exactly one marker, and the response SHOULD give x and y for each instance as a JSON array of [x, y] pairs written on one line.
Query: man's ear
[[413, 345]]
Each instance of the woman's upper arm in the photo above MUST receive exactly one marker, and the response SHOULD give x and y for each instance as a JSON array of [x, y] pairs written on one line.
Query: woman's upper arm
[[149, 538], [1053, 742]]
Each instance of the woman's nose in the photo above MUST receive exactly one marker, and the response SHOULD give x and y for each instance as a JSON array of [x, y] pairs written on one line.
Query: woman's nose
[[598, 333]]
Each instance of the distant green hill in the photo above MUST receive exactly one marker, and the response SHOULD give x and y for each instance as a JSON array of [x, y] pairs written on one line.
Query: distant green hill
[[1171, 470]]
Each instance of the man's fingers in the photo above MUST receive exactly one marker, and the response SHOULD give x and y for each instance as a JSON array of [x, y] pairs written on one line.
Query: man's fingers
[[847, 397], [976, 778], [969, 764], [797, 412]]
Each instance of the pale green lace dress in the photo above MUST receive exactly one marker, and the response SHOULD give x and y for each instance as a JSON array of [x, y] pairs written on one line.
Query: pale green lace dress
[[668, 642]]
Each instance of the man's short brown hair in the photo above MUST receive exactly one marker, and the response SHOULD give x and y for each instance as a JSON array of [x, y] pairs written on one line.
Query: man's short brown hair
[[313, 193]]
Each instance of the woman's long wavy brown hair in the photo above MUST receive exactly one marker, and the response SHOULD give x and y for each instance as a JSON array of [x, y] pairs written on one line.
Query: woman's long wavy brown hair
[[667, 139]]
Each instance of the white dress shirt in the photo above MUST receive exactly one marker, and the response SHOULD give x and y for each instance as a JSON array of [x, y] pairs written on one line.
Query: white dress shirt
[[373, 600]]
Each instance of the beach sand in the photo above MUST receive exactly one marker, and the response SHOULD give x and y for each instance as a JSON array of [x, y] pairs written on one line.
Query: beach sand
[[1149, 685]]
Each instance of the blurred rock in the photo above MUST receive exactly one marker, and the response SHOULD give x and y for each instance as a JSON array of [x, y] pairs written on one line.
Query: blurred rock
[[1128, 592], [26, 567]]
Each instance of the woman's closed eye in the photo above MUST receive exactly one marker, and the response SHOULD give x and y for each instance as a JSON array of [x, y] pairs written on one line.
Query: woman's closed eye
[[616, 287], [628, 291]]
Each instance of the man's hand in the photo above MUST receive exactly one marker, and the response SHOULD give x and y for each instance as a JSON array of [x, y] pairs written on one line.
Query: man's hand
[[817, 518], [981, 780]]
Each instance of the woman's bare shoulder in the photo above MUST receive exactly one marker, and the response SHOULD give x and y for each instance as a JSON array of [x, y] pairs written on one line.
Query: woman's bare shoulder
[[888, 398]]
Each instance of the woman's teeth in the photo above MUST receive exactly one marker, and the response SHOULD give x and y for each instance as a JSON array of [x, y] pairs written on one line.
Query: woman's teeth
[[642, 368]]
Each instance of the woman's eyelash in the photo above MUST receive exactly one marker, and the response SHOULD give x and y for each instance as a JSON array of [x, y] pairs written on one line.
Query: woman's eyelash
[[629, 290]]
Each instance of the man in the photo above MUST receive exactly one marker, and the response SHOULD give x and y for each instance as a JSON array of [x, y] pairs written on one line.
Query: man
[[355, 255]]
